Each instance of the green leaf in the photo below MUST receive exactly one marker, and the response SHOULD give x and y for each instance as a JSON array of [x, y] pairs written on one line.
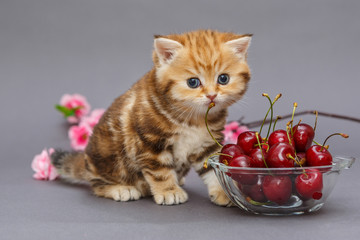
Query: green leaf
[[65, 110], [77, 108]]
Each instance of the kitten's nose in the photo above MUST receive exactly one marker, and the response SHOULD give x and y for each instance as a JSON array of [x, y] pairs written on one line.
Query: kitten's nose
[[211, 97]]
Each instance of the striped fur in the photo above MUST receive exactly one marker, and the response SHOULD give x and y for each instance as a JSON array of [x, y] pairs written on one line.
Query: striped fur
[[151, 136]]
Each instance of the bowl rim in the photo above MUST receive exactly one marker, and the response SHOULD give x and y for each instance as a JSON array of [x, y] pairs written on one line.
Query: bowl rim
[[339, 163]]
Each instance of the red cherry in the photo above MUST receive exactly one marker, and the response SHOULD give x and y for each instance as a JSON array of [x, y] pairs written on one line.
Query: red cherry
[[279, 136], [229, 149], [242, 176], [317, 195], [255, 191], [281, 155], [277, 188], [257, 157], [247, 141], [309, 184], [318, 155], [303, 135], [265, 147]]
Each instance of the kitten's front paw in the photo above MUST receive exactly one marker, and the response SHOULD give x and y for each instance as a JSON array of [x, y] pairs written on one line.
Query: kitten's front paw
[[218, 197], [126, 193], [118, 192], [171, 197]]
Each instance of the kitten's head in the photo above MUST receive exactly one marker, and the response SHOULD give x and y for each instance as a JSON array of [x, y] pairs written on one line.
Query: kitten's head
[[200, 67]]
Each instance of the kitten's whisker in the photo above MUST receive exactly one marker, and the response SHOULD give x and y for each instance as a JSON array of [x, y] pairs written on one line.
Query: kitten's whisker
[[193, 110]]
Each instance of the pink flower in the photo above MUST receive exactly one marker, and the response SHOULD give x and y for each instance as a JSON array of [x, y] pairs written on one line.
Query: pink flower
[[42, 166], [79, 136], [94, 117], [74, 107], [232, 131]]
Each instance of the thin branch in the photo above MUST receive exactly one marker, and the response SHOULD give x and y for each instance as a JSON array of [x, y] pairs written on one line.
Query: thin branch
[[332, 115]]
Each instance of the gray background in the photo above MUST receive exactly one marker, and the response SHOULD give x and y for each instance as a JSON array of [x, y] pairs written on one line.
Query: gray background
[[308, 50]]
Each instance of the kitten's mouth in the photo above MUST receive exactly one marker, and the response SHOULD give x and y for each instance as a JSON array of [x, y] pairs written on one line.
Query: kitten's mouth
[[212, 102]]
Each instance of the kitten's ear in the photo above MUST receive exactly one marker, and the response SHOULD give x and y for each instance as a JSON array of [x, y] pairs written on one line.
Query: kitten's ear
[[166, 49], [240, 46]]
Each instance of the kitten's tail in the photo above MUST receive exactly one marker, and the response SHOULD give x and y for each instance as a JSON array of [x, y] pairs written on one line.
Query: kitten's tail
[[72, 166]]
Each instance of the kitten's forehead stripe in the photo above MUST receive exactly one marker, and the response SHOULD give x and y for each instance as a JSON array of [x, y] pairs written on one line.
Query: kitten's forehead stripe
[[204, 50], [245, 76], [191, 72], [194, 62]]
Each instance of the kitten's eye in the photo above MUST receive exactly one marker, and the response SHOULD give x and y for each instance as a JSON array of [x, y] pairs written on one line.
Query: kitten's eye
[[223, 79], [193, 82]]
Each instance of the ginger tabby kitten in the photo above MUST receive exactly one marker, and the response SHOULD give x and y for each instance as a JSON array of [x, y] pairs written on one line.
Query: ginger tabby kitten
[[148, 139]]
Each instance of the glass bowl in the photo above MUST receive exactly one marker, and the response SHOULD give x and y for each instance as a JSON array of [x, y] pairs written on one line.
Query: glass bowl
[[251, 188]]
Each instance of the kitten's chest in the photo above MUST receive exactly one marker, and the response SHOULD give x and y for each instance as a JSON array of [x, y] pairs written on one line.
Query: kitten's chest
[[190, 141]]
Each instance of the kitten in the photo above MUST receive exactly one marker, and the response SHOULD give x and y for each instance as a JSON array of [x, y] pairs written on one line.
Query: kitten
[[148, 139]]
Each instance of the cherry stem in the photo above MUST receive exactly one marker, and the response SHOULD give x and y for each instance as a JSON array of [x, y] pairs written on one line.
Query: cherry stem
[[253, 202], [288, 135], [299, 121], [272, 112], [215, 154], [292, 132], [262, 155], [288, 129], [267, 113], [262, 144], [277, 118], [272, 107], [334, 134], [211, 105], [293, 158], [271, 115], [292, 118], [297, 161]]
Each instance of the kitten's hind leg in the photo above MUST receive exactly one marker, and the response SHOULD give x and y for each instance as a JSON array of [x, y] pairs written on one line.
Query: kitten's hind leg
[[117, 192]]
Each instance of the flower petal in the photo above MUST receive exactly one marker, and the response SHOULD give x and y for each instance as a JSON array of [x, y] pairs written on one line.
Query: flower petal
[[42, 166]]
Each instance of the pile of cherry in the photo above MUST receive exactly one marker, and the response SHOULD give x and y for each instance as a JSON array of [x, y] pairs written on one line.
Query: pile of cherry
[[293, 147]]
